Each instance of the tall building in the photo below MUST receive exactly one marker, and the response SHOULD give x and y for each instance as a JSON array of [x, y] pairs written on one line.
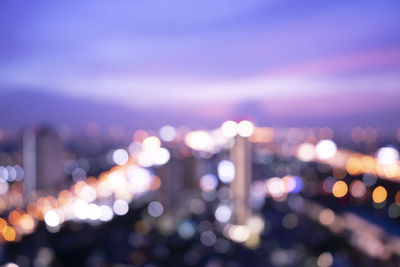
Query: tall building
[[180, 183], [43, 160], [240, 186]]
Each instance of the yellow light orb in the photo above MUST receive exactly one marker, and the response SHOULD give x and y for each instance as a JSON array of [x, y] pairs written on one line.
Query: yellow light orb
[[9, 233], [379, 194], [397, 198], [3, 224], [27, 223], [339, 189]]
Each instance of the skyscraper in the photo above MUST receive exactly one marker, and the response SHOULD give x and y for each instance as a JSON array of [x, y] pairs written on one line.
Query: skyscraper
[[240, 186], [180, 183], [43, 160]]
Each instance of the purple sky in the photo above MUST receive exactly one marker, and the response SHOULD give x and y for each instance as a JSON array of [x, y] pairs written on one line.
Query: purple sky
[[179, 52]]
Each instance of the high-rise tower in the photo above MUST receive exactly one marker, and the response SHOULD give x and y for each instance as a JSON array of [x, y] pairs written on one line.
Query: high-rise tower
[[43, 160]]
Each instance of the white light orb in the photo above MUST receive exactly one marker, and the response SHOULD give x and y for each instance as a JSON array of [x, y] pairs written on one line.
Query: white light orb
[[275, 187], [161, 156], [388, 155], [186, 229], [151, 143], [120, 207], [223, 214], [325, 149], [226, 171], [167, 133], [120, 156], [155, 209], [245, 128], [229, 129], [106, 213], [199, 140], [94, 212], [305, 152], [208, 182], [52, 218]]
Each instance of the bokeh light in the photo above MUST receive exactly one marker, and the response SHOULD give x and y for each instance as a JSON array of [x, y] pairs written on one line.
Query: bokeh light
[[226, 171], [229, 129], [379, 194], [325, 149], [245, 128], [339, 189]]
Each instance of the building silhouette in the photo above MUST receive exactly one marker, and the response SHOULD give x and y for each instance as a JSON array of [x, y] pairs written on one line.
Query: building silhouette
[[241, 157], [43, 160]]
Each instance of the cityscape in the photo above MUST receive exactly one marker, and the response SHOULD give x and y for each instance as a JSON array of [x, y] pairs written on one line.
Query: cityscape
[[203, 197], [261, 133]]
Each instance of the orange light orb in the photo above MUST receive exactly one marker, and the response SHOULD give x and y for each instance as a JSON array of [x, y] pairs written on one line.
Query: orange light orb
[[379, 194], [339, 189]]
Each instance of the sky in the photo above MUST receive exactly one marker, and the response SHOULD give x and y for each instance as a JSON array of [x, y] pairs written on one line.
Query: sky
[[179, 52]]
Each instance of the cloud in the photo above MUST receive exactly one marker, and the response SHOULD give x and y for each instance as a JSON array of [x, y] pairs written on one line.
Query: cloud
[[169, 52]]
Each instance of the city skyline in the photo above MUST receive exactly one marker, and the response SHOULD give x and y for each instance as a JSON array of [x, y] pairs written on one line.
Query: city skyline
[[200, 133]]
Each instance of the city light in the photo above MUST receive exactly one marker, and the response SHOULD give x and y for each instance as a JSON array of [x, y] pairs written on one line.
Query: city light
[[205, 133], [226, 171], [120, 156], [208, 182], [120, 207], [388, 155], [339, 189], [223, 214], [325, 149], [379, 194], [151, 143], [155, 209], [245, 128], [229, 128], [167, 133], [305, 152], [52, 218]]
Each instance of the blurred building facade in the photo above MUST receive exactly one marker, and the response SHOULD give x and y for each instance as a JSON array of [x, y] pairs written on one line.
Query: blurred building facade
[[240, 186], [180, 184], [43, 160]]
